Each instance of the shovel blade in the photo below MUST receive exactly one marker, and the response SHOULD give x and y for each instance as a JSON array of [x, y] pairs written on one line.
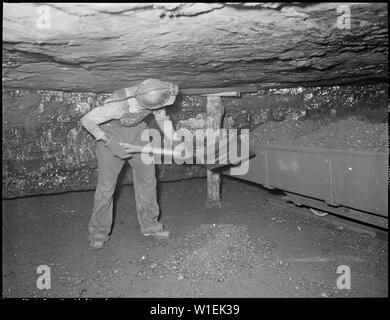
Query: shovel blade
[[217, 156]]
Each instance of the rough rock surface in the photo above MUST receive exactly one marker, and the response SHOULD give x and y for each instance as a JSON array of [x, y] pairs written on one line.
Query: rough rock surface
[[346, 134], [103, 47], [45, 149]]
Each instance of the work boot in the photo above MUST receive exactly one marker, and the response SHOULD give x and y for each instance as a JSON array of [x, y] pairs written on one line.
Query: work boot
[[161, 235]]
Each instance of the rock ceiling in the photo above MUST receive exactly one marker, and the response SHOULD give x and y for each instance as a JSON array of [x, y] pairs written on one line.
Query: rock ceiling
[[103, 47]]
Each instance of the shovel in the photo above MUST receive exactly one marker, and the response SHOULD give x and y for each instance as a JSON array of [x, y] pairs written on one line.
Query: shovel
[[221, 157]]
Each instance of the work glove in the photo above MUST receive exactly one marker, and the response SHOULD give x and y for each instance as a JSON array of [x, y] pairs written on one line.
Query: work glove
[[115, 147]]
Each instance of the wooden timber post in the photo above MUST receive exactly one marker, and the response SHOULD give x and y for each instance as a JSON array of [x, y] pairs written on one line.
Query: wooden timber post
[[214, 112]]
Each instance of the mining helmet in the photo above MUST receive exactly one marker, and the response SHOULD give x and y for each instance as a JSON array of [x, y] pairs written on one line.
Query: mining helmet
[[154, 93]]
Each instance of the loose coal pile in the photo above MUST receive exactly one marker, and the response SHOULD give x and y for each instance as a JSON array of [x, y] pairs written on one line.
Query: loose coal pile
[[347, 134], [214, 252]]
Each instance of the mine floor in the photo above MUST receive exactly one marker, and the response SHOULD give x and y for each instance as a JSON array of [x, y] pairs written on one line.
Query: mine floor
[[248, 248]]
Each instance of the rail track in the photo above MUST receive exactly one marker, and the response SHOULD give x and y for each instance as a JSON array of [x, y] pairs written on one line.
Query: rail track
[[284, 202]]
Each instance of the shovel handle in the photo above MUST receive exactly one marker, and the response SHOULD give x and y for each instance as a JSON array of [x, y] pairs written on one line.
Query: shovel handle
[[149, 149]]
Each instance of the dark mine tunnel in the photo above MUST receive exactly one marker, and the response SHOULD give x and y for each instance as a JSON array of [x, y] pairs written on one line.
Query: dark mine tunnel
[[195, 150]]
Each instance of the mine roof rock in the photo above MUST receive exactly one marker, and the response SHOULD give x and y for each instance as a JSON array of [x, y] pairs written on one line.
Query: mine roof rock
[[103, 47]]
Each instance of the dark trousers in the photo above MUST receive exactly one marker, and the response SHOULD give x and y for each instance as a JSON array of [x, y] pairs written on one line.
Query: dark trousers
[[144, 180]]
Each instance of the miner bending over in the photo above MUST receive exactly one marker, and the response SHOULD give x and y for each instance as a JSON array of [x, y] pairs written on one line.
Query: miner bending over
[[121, 121]]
